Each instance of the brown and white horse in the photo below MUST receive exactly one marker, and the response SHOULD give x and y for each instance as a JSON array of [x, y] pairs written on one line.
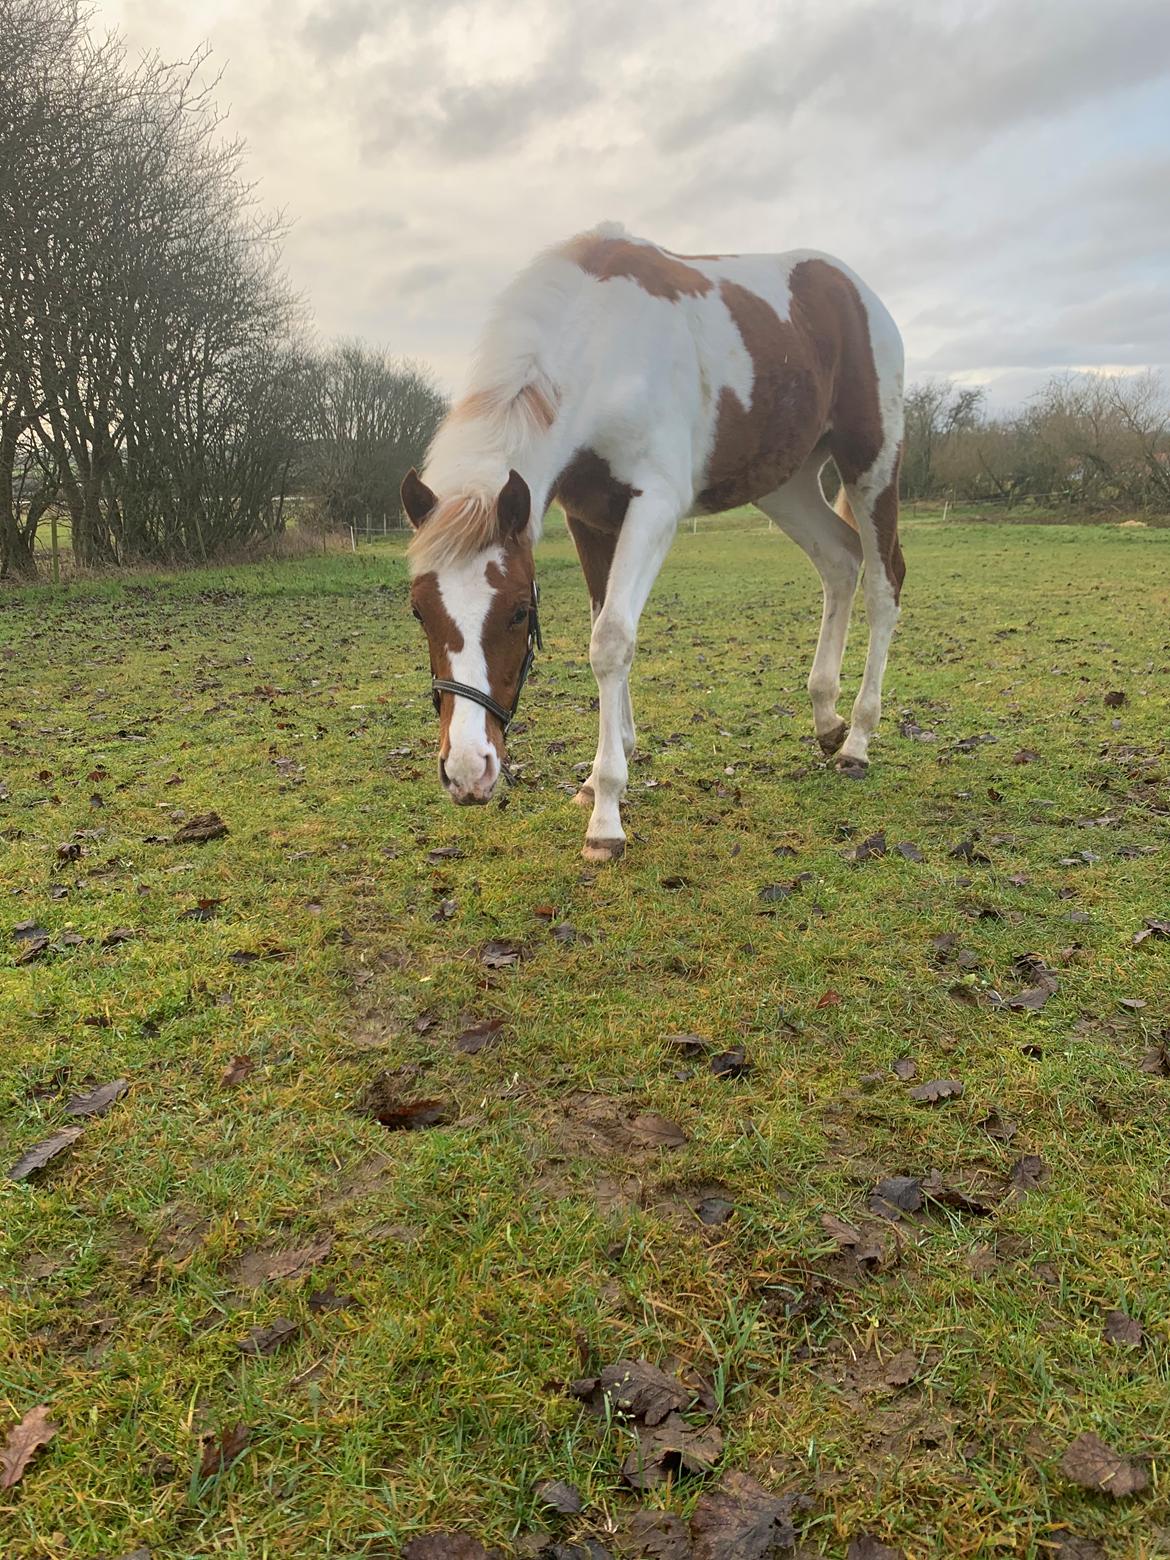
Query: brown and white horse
[[636, 386]]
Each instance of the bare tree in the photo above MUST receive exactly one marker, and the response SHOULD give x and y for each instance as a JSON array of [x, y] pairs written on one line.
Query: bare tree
[[372, 419]]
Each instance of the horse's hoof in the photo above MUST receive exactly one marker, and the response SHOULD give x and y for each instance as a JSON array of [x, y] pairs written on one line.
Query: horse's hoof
[[853, 768], [831, 741], [603, 850], [584, 797]]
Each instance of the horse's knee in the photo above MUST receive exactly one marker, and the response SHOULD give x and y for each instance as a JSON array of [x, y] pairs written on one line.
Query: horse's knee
[[611, 647]]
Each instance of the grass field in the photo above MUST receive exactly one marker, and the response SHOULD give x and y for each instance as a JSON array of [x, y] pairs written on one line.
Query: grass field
[[916, 1378]]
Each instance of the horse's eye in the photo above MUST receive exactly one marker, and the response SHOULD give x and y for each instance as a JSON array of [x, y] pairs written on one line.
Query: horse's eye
[[519, 616], [416, 614]]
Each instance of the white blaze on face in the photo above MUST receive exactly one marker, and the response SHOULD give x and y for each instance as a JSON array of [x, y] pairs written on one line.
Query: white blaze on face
[[472, 762]]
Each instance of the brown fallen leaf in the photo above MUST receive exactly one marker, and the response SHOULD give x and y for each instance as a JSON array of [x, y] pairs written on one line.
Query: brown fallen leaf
[[328, 1299], [35, 948], [500, 954], [97, 1101], [998, 1126], [23, 1442], [1152, 928], [671, 1449], [266, 1340], [905, 1068], [828, 999], [1122, 1329], [444, 1546], [292, 1264], [200, 829], [692, 1046], [731, 1064], [1114, 699], [937, 1091], [1089, 1462], [220, 1451], [39, 1156], [556, 1495], [202, 910], [1028, 1174], [866, 1547], [866, 1247], [412, 1115], [239, 1068], [475, 1039], [1156, 1062], [896, 1195], [652, 1535], [741, 1520], [634, 1389]]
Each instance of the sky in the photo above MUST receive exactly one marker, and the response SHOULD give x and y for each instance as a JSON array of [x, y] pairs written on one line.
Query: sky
[[999, 171]]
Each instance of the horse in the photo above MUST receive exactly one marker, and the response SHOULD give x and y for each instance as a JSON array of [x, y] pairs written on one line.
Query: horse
[[636, 386]]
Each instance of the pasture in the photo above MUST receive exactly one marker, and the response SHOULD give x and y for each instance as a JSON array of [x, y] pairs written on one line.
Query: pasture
[[578, 1190]]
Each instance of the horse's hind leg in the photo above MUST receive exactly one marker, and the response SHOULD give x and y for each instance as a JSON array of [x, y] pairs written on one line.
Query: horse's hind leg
[[873, 498], [800, 509]]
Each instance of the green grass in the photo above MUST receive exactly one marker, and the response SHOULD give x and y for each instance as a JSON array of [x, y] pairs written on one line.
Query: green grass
[[498, 1256]]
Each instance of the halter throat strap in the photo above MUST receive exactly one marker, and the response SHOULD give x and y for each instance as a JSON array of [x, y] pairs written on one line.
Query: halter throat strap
[[505, 716]]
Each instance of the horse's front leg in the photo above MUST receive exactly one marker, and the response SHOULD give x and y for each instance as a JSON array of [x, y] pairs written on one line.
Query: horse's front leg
[[645, 537]]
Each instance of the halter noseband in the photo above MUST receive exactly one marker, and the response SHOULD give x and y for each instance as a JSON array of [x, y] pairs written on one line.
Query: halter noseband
[[441, 685]]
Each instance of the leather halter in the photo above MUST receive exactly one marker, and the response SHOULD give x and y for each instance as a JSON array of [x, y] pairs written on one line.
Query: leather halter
[[441, 685]]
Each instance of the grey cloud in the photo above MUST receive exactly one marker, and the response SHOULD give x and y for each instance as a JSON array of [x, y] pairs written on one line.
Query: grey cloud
[[334, 30], [421, 278]]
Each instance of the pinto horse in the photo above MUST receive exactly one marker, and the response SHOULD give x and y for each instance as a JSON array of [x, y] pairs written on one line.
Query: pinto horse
[[636, 386]]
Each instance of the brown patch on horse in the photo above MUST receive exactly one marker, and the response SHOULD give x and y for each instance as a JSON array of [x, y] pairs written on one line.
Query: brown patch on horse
[[656, 271], [885, 524], [505, 644], [595, 505], [812, 371], [443, 641]]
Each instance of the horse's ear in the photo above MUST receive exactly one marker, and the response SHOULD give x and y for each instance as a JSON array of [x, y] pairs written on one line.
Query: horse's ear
[[417, 498], [514, 505]]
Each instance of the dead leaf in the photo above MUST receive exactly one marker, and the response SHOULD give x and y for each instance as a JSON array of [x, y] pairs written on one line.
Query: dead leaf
[[1072, 1547], [98, 1100], [937, 1091], [500, 954], [967, 850], [865, 1247], [936, 1189], [692, 1046], [292, 1264], [715, 1210], [266, 1340], [866, 1547], [741, 1520], [328, 1299], [202, 910], [200, 829], [482, 1034], [411, 1115], [1028, 1174], [901, 1370], [38, 1157], [656, 1131], [444, 853], [652, 1535], [556, 1495], [635, 1389], [875, 845], [1156, 1062], [34, 948], [444, 1546], [239, 1068], [1114, 699], [220, 1451], [896, 1195], [1152, 928], [905, 1068], [731, 1064], [1122, 1329], [1089, 1462], [23, 1442], [671, 1449], [998, 1126], [828, 999]]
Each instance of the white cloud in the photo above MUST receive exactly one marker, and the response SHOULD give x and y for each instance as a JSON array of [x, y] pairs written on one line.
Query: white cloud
[[998, 172]]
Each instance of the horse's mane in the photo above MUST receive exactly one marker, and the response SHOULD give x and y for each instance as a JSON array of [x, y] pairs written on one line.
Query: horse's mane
[[485, 430]]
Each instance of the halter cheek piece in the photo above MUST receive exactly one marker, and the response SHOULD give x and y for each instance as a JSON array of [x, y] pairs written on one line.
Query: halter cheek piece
[[441, 685]]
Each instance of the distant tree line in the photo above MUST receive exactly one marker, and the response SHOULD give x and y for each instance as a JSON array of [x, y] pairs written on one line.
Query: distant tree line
[[156, 385], [1093, 443]]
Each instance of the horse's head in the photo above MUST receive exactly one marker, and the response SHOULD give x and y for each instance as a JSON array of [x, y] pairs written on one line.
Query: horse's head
[[474, 592]]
